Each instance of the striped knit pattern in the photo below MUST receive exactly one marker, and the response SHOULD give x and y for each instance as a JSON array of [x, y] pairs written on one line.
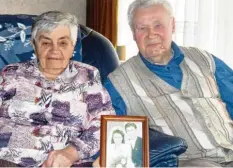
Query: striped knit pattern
[[195, 113]]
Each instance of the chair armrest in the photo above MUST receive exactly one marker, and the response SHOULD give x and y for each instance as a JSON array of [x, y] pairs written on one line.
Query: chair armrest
[[165, 149]]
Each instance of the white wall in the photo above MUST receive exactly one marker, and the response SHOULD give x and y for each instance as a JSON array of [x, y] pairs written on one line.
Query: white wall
[[77, 7]]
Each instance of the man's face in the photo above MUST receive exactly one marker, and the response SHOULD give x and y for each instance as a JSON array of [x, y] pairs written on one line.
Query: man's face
[[131, 132], [153, 29], [54, 49]]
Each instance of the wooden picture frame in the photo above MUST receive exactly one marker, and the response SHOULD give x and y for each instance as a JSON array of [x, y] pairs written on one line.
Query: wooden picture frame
[[123, 144]]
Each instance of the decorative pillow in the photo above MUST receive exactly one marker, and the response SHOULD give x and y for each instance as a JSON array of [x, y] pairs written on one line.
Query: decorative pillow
[[15, 34]]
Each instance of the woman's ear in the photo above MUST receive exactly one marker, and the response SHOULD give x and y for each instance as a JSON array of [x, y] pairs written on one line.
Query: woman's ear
[[33, 44]]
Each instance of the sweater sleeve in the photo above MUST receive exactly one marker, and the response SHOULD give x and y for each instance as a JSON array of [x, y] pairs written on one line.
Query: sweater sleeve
[[224, 78], [98, 103]]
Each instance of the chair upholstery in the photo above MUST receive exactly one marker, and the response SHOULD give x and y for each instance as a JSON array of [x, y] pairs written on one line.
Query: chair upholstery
[[91, 48]]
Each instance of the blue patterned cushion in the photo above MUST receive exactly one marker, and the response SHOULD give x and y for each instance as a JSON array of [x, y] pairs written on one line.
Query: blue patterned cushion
[[15, 33]]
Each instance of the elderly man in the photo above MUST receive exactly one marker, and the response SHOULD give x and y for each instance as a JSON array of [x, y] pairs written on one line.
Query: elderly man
[[50, 107], [185, 92]]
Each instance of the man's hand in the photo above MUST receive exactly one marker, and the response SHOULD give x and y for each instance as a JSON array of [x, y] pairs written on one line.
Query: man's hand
[[62, 158], [96, 163]]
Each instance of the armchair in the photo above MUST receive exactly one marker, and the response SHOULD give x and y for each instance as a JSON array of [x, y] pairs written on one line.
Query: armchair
[[91, 48]]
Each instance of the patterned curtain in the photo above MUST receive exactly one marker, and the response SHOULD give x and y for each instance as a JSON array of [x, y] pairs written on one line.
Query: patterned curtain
[[102, 17]]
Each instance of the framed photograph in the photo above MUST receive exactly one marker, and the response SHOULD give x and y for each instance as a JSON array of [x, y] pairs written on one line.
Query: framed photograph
[[124, 141]]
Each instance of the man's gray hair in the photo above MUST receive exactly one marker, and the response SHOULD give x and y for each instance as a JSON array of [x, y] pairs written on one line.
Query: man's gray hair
[[48, 21], [136, 4]]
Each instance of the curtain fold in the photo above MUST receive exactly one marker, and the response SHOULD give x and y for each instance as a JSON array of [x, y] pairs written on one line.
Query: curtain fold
[[102, 17], [205, 24]]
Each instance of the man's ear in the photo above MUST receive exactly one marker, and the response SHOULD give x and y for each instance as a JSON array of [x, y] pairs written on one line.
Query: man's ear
[[134, 37], [173, 25]]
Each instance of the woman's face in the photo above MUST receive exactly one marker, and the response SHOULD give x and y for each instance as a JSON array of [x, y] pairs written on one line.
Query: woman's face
[[117, 138], [54, 49]]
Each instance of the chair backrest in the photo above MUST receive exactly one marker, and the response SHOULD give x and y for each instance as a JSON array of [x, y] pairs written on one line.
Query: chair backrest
[[91, 48]]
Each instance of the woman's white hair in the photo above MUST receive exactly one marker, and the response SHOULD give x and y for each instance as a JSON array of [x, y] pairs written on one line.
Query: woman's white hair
[[48, 21], [145, 4]]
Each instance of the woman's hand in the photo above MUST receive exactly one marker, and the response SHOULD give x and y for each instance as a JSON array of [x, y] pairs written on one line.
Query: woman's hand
[[62, 158], [96, 163]]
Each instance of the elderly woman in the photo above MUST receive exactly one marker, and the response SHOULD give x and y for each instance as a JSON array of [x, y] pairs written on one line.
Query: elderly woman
[[51, 107]]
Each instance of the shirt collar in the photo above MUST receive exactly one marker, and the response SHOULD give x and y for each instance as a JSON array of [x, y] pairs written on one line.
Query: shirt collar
[[177, 57]]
